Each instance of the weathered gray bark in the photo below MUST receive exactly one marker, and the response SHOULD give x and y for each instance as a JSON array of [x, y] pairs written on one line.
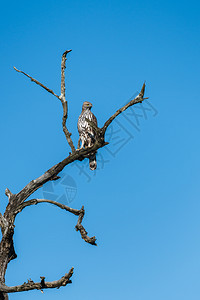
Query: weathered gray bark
[[17, 202]]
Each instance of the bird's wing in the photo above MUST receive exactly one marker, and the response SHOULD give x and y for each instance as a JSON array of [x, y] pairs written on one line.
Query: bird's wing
[[94, 119]]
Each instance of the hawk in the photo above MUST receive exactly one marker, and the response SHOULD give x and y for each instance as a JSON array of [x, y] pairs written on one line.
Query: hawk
[[86, 132]]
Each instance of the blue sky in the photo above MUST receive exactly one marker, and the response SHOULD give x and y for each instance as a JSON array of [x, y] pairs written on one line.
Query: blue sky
[[143, 202]]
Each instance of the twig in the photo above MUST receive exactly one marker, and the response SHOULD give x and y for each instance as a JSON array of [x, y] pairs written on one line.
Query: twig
[[137, 99], [37, 82]]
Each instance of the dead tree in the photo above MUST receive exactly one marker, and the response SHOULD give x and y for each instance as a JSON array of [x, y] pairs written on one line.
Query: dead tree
[[17, 202]]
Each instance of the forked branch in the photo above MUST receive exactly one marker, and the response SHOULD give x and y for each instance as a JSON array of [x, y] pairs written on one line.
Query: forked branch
[[80, 154], [62, 97]]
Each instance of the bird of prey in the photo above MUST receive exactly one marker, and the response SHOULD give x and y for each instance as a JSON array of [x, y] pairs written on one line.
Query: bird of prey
[[86, 132]]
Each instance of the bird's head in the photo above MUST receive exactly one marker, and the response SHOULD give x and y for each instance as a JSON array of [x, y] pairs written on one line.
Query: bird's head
[[86, 105]]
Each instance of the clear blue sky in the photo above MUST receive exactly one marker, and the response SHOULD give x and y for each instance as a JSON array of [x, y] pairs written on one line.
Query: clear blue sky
[[143, 203]]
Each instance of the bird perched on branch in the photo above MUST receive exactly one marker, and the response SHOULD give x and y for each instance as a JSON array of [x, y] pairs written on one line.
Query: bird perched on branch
[[87, 132]]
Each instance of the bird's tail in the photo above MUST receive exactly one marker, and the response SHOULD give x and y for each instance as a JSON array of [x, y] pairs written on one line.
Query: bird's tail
[[93, 161]]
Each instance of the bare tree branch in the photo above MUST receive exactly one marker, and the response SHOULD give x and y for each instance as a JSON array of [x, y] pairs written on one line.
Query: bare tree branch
[[62, 97], [36, 201], [64, 101], [64, 57], [79, 227], [83, 232], [65, 130], [34, 185], [101, 131], [37, 82], [137, 99], [30, 285]]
